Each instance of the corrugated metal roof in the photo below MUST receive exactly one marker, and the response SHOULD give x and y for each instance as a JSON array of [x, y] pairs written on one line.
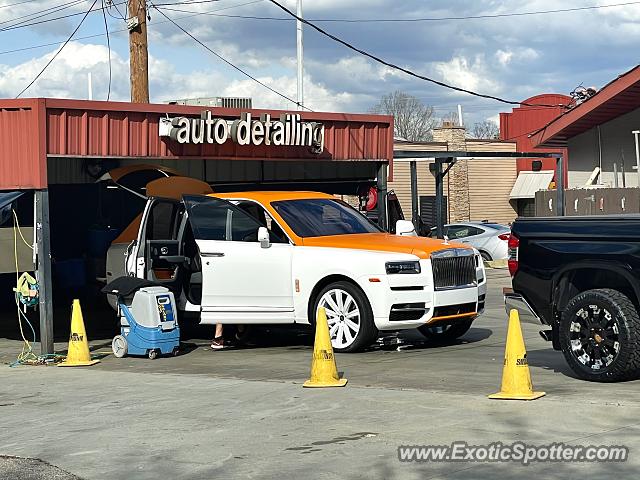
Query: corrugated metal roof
[[22, 153], [33, 129], [528, 183]]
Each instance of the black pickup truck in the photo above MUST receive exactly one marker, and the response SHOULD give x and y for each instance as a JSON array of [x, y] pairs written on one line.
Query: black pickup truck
[[580, 276]]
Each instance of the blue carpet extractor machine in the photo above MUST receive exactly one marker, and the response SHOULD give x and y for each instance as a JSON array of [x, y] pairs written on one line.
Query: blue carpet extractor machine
[[148, 318]]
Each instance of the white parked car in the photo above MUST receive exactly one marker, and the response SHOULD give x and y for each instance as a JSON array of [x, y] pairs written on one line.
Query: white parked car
[[490, 239], [276, 257]]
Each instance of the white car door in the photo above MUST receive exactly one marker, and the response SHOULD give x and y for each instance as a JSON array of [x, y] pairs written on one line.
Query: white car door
[[242, 280]]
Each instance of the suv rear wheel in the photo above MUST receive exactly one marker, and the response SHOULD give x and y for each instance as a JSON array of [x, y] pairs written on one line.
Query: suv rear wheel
[[600, 336], [349, 316]]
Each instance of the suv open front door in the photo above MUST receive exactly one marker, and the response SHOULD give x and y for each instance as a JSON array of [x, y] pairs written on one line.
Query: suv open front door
[[245, 278], [157, 254]]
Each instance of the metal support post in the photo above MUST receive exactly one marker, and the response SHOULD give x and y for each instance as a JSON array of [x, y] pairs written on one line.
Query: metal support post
[[560, 187], [382, 196], [43, 272], [439, 175], [414, 193]]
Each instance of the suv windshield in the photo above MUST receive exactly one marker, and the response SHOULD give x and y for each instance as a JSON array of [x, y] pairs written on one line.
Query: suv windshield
[[318, 217]]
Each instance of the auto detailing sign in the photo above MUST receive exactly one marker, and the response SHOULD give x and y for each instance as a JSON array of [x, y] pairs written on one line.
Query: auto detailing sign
[[289, 130]]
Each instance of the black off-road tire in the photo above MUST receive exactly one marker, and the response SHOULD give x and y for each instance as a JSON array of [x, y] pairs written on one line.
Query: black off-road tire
[[368, 332], [446, 334], [625, 364]]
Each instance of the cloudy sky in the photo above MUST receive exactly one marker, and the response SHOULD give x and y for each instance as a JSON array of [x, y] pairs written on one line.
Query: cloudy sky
[[513, 57]]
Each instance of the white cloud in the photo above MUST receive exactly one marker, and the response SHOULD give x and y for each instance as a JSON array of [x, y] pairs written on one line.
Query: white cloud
[[471, 75], [67, 76], [504, 57]]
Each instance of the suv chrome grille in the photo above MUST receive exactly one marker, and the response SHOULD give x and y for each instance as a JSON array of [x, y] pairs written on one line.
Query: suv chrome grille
[[453, 268]]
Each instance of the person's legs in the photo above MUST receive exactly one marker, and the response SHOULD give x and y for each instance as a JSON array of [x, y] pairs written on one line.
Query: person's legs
[[218, 341]]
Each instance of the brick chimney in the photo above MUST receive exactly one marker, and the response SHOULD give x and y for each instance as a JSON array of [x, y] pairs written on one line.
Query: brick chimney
[[454, 136]]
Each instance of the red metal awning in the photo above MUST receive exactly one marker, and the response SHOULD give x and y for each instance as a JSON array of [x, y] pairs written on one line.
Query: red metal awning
[[618, 97], [33, 130]]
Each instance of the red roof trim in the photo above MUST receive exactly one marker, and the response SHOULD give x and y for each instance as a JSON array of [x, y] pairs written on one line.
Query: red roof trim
[[602, 107]]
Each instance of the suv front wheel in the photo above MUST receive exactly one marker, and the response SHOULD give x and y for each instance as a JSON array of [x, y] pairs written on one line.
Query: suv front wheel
[[600, 336], [349, 316]]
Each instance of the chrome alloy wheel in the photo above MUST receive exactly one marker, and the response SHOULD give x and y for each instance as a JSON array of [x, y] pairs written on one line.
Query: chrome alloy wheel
[[594, 336], [343, 317]]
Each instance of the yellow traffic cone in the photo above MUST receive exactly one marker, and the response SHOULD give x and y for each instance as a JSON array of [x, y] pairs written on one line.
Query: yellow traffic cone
[[323, 365], [78, 354], [516, 379]]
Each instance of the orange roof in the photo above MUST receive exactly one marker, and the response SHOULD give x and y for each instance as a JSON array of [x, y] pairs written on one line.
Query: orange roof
[[268, 196]]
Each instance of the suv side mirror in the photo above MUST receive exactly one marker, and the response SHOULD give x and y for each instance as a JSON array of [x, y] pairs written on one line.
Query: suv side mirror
[[405, 228], [263, 237]]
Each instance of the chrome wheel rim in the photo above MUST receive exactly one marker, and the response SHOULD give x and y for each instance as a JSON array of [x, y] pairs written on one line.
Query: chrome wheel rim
[[343, 317], [594, 337]]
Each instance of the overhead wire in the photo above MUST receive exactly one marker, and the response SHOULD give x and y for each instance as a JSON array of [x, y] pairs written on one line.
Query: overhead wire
[[412, 20], [60, 49], [47, 20], [248, 75], [18, 3], [475, 17], [45, 12], [87, 37], [110, 4], [402, 69]]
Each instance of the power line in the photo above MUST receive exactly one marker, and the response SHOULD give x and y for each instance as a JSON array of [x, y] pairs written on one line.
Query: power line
[[106, 31], [87, 37], [18, 3], [45, 12], [475, 17], [47, 20], [228, 62], [111, 4], [405, 70], [59, 50], [401, 20]]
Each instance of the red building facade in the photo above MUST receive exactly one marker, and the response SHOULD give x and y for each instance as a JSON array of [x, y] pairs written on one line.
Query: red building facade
[[522, 123]]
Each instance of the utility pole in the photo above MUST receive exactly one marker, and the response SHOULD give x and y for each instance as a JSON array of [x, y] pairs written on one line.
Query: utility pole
[[300, 96], [138, 51]]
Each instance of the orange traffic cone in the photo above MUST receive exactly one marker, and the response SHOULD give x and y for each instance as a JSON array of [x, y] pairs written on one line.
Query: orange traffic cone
[[324, 372], [516, 378], [78, 353]]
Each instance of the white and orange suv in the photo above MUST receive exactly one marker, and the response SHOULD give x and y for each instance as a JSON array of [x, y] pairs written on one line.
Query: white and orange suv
[[276, 257]]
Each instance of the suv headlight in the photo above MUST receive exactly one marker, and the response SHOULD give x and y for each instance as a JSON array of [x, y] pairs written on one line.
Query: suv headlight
[[402, 267]]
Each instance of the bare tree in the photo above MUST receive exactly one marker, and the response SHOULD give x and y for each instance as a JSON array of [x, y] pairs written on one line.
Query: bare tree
[[487, 129], [451, 118], [412, 119]]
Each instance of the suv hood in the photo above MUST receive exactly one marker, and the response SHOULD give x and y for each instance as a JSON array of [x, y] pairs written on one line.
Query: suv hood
[[422, 247]]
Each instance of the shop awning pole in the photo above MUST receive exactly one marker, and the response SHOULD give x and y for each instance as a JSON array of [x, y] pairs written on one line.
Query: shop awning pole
[[560, 187], [439, 174], [43, 272], [414, 193], [382, 196]]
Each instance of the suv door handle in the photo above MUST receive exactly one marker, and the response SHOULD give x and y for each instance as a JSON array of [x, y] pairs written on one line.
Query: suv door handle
[[213, 254]]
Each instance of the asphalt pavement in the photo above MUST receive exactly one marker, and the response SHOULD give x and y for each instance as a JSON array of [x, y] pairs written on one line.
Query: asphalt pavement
[[242, 413]]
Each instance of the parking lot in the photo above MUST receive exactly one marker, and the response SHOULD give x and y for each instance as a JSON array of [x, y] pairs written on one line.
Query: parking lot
[[244, 413]]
